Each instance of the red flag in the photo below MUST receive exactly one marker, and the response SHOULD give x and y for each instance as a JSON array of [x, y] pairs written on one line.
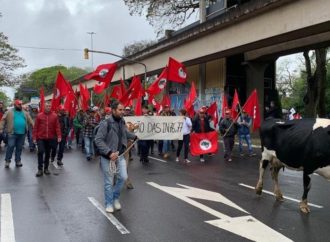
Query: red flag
[[213, 112], [191, 97], [134, 91], [62, 86], [103, 73], [251, 106], [61, 89], [42, 99], [84, 94], [160, 83], [203, 143], [152, 100], [176, 71], [166, 101], [235, 106], [122, 88], [138, 107], [106, 100], [99, 87], [116, 92], [224, 106]]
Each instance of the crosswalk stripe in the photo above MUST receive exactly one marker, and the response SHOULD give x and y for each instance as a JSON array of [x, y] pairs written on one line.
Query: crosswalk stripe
[[288, 198], [122, 229], [7, 223]]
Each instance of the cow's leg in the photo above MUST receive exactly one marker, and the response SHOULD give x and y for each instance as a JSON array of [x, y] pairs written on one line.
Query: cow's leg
[[307, 186], [263, 165], [277, 192]]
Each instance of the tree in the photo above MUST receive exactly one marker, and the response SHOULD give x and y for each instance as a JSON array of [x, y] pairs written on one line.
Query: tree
[[137, 46], [3, 97], [316, 84], [163, 13], [32, 82], [9, 61]]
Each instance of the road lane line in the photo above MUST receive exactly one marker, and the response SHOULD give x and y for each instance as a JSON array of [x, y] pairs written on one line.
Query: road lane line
[[122, 229], [288, 198], [7, 222], [151, 157]]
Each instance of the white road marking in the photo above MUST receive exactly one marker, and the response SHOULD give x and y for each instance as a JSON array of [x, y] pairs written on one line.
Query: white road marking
[[7, 222], [151, 157], [122, 229], [288, 198], [245, 226]]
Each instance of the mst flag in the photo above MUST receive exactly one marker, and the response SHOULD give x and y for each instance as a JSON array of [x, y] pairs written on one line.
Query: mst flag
[[84, 94], [213, 112], [251, 106], [103, 73], [134, 91], [160, 83], [203, 143], [176, 71]]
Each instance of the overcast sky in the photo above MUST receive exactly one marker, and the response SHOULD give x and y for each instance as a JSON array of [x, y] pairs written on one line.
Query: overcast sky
[[64, 24]]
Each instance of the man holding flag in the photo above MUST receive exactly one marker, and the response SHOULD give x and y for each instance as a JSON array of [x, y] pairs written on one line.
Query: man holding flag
[[228, 130]]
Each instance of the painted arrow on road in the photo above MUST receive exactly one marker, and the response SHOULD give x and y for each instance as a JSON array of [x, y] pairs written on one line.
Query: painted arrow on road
[[244, 226]]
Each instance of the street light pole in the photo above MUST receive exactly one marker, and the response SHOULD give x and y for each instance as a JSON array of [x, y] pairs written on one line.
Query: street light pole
[[86, 51], [91, 33]]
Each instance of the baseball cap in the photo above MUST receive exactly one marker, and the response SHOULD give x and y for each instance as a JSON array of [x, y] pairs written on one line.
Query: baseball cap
[[18, 102], [128, 108], [227, 111], [107, 110]]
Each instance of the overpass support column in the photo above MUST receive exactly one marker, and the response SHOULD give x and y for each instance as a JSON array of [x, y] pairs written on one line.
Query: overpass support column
[[202, 82], [255, 72]]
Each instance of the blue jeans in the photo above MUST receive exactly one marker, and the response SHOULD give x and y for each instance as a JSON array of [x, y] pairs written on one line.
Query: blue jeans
[[166, 146], [247, 139], [112, 192], [15, 141], [88, 146]]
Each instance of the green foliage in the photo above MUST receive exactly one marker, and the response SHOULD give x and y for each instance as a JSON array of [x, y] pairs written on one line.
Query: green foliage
[[298, 91], [45, 77], [6, 100], [9, 61]]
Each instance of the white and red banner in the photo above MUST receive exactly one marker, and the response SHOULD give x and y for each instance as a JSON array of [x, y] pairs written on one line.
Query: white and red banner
[[157, 127], [203, 143]]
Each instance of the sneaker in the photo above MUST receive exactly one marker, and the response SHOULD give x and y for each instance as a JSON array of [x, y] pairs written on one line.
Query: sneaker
[[46, 172], [187, 161], [252, 154], [129, 185], [88, 158], [39, 173], [109, 209], [117, 204], [19, 164], [177, 159], [7, 164], [166, 156], [229, 159], [202, 160], [60, 163]]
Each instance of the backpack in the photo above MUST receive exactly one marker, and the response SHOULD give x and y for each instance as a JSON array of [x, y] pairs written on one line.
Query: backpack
[[96, 149]]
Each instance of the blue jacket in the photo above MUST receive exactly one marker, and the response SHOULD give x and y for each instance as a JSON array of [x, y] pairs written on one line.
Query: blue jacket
[[244, 127]]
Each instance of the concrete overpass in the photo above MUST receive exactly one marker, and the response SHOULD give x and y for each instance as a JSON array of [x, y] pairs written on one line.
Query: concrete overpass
[[260, 30]]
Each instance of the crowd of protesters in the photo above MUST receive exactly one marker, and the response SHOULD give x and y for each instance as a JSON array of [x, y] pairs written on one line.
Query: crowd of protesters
[[51, 133]]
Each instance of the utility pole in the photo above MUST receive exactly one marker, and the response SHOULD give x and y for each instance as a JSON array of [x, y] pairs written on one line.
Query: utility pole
[[91, 34]]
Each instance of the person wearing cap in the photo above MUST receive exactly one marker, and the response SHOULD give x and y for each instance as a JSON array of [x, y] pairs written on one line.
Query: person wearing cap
[[244, 123], [17, 123], [90, 123], [228, 130], [46, 133], [65, 128], [201, 124]]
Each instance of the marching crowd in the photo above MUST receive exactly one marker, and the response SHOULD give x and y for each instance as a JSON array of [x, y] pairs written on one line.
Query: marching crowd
[[103, 133]]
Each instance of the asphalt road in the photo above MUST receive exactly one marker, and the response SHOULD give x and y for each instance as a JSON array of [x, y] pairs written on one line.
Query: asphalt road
[[170, 202]]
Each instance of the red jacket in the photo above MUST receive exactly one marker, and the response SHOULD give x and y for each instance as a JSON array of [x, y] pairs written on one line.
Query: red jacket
[[46, 126]]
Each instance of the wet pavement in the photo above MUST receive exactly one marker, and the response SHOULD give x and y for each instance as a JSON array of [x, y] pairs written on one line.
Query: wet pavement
[[211, 201]]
